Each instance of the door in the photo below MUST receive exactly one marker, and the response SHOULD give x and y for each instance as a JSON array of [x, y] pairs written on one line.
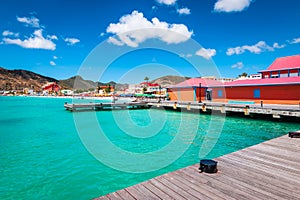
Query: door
[[209, 94]]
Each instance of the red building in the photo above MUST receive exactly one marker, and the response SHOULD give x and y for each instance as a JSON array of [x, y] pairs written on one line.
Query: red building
[[283, 67], [280, 83], [51, 87]]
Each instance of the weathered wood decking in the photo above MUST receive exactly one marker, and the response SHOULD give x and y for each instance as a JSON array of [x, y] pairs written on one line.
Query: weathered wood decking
[[270, 170]]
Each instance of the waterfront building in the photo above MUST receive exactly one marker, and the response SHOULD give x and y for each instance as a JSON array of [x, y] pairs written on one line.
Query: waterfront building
[[51, 88], [280, 83]]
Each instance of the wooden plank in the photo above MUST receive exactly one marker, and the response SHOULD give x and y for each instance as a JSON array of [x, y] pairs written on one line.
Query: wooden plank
[[191, 190], [175, 188], [156, 190], [125, 195], [249, 188], [208, 191], [266, 171], [279, 162], [276, 151], [287, 159], [167, 190], [269, 170], [233, 191], [244, 187], [257, 179], [282, 144], [102, 198], [280, 151], [140, 192], [114, 196]]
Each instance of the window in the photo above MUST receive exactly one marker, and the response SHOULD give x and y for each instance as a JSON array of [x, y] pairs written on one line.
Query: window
[[293, 74], [220, 93], [257, 93], [274, 76]]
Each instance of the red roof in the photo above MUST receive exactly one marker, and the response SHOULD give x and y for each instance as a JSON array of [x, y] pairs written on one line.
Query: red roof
[[265, 81], [194, 82], [289, 62], [150, 84]]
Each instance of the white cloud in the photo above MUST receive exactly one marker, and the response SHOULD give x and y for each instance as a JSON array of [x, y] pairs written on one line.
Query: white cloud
[[258, 48], [295, 41], [184, 11], [102, 34], [231, 5], [9, 33], [52, 37], [55, 57], [115, 41], [30, 21], [278, 46], [52, 63], [167, 2], [134, 28], [206, 53], [36, 41], [238, 65], [71, 41]]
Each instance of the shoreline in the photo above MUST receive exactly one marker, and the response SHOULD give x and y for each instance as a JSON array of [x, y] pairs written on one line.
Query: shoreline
[[75, 97]]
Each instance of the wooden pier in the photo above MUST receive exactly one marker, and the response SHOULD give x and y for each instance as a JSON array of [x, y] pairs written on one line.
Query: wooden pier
[[273, 110], [270, 170], [105, 106], [270, 110]]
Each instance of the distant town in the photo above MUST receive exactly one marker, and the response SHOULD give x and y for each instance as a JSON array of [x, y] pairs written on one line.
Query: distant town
[[277, 84], [52, 87]]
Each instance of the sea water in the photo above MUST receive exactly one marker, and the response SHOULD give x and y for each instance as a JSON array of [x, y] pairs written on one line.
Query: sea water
[[43, 156]]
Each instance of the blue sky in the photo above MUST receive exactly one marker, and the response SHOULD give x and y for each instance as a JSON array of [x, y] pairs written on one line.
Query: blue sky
[[55, 38]]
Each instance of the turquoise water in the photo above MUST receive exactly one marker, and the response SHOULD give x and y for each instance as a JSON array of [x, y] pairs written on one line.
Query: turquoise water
[[42, 156]]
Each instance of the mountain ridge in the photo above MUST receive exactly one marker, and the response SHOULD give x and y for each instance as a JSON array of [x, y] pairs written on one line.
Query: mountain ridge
[[18, 79]]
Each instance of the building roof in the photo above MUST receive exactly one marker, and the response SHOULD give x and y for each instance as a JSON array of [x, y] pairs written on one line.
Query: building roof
[[195, 82], [265, 81], [149, 84], [288, 62], [49, 84]]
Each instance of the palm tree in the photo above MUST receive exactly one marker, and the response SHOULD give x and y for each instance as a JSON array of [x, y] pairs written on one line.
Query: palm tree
[[107, 89], [146, 79], [243, 74]]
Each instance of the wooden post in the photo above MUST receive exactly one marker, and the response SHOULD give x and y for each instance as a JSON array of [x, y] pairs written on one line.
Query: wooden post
[[204, 107], [199, 93], [175, 106], [246, 110], [188, 107], [223, 108]]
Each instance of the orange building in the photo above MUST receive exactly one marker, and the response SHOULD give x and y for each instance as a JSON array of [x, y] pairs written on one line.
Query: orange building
[[192, 89], [280, 83]]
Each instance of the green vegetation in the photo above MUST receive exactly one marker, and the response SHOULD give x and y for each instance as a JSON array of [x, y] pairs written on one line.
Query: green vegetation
[[108, 89], [244, 74]]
